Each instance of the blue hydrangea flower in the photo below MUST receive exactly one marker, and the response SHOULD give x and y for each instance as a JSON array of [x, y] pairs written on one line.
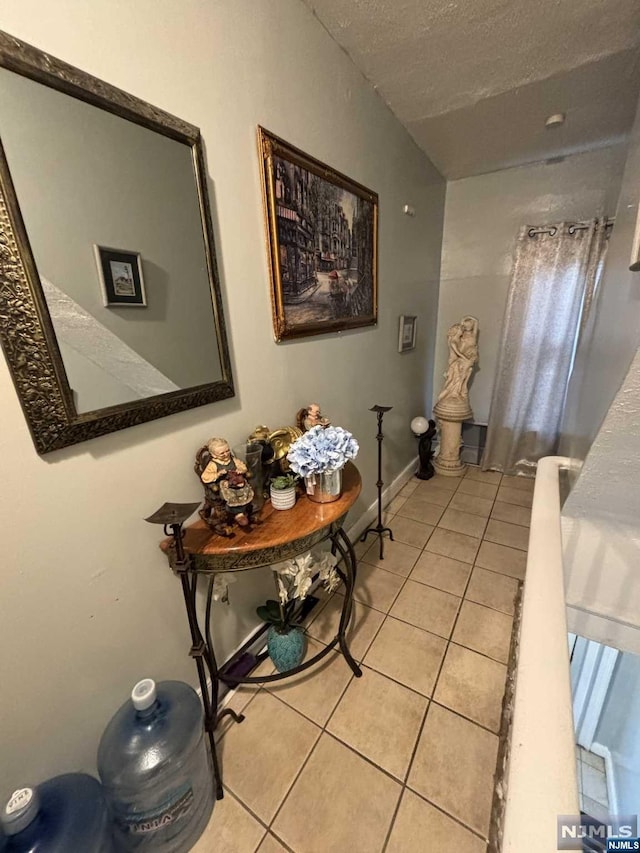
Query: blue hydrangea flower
[[322, 449]]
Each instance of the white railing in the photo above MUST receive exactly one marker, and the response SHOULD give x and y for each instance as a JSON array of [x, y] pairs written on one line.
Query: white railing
[[541, 782]]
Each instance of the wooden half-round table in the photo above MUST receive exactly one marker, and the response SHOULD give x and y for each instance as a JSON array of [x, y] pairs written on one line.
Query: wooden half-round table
[[280, 535]]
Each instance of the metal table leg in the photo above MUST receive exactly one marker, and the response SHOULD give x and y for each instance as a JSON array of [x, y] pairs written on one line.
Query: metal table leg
[[349, 577]]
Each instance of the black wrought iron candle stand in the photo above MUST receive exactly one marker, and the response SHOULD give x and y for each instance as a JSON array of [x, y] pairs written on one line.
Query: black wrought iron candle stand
[[379, 529]]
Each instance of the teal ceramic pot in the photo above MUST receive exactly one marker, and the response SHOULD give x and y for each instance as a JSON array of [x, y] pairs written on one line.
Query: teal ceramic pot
[[286, 650]]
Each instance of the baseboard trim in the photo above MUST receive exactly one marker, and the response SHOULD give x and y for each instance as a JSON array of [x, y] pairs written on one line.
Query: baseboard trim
[[612, 791]]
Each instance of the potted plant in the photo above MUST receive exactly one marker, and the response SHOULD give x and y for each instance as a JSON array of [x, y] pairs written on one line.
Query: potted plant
[[286, 641], [319, 456], [283, 491]]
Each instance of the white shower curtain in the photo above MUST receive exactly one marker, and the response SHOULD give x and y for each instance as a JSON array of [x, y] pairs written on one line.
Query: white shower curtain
[[555, 275]]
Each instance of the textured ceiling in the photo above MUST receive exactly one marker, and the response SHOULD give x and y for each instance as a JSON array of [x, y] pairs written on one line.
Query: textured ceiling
[[474, 80]]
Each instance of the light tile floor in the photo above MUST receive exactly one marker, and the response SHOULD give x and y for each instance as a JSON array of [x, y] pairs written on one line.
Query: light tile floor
[[401, 760]]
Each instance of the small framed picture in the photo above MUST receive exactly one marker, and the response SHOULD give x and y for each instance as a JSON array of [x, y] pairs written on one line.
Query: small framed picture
[[120, 277], [407, 334]]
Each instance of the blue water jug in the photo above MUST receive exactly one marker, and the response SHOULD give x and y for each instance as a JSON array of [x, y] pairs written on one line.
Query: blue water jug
[[67, 813], [156, 769]]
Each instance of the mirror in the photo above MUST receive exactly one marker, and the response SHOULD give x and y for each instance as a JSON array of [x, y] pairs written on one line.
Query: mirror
[[110, 309]]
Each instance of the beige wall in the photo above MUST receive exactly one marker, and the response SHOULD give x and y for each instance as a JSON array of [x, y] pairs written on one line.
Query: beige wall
[[483, 215], [88, 605]]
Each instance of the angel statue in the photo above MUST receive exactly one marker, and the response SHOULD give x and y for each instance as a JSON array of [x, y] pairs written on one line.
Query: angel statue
[[462, 339]]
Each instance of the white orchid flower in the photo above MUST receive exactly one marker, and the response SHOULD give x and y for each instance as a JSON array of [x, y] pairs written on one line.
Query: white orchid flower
[[304, 562], [295, 576], [287, 568], [221, 583], [332, 581], [283, 592], [302, 585]]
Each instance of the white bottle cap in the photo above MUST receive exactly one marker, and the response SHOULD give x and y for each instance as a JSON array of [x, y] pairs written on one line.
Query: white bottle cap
[[143, 694], [20, 810]]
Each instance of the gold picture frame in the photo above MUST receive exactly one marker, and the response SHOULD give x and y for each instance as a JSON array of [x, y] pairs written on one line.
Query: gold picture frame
[[322, 241]]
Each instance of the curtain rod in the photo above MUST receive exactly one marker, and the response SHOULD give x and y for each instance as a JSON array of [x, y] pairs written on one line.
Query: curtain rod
[[573, 227]]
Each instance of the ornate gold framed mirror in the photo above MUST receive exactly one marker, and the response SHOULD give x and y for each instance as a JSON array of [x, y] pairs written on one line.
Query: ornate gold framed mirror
[[110, 306]]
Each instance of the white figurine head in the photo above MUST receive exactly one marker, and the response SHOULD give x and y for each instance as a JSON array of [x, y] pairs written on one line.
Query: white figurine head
[[219, 450]]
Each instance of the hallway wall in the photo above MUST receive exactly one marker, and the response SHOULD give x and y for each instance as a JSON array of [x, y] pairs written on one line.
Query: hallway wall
[[609, 345], [600, 519], [88, 603], [483, 215], [618, 730]]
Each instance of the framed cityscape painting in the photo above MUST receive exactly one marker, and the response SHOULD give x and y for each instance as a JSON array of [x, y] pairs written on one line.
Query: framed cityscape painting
[[322, 235]]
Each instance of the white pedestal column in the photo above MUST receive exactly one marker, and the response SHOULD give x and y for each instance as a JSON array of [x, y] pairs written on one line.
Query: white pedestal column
[[450, 418]]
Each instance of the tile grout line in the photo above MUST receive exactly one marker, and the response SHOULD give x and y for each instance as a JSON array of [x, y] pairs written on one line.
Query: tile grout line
[[257, 818], [229, 792], [368, 760], [394, 816], [451, 817], [278, 838], [464, 717], [470, 648]]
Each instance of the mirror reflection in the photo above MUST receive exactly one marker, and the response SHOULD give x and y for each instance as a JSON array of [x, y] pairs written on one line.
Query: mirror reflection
[[112, 214]]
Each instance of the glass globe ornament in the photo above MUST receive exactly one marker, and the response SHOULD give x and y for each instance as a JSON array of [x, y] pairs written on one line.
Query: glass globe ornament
[[419, 425]]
